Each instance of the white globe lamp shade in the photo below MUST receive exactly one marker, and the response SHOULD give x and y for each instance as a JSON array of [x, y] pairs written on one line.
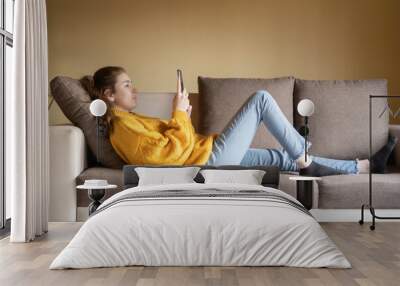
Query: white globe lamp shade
[[305, 107], [98, 107]]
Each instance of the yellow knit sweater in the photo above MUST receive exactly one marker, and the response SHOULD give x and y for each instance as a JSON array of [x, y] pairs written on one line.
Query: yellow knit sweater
[[144, 140]]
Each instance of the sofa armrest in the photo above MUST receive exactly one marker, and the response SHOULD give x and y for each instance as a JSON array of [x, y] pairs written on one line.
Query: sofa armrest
[[67, 161], [395, 131]]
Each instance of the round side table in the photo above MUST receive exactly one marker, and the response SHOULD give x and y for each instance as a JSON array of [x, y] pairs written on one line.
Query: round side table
[[96, 194], [304, 189]]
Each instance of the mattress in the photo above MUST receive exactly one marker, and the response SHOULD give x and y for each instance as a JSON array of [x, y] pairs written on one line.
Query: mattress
[[201, 225]]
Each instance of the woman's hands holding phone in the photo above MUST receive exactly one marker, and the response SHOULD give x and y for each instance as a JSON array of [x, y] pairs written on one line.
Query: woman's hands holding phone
[[181, 100]]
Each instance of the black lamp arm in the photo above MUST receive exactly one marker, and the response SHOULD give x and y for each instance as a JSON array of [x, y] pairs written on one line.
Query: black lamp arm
[[305, 137]]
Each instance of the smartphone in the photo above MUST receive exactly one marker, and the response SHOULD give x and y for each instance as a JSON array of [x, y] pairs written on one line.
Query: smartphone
[[179, 72]]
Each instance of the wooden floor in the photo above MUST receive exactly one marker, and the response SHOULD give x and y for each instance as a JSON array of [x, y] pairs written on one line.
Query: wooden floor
[[375, 257]]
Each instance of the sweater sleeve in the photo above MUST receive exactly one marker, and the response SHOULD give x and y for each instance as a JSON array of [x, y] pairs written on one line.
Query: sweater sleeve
[[172, 145]]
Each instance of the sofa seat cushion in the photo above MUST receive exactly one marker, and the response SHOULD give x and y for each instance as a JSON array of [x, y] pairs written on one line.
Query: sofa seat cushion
[[351, 191], [113, 176], [221, 98], [339, 127], [74, 102]]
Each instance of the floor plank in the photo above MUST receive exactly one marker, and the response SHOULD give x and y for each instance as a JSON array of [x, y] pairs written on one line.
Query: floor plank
[[374, 255]]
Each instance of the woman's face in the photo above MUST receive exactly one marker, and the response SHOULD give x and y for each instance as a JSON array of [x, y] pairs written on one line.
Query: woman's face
[[124, 95]]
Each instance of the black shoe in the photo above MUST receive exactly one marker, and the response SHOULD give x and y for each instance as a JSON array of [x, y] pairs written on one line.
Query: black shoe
[[318, 170], [380, 158]]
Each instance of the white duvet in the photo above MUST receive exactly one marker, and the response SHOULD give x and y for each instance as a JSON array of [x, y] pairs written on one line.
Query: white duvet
[[226, 231]]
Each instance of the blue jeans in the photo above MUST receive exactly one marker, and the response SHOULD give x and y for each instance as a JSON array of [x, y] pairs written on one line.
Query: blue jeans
[[231, 147]]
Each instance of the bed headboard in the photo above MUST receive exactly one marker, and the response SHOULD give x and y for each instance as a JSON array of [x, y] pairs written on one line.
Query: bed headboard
[[270, 179]]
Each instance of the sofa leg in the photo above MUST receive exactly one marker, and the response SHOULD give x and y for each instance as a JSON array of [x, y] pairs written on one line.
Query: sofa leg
[[361, 221]]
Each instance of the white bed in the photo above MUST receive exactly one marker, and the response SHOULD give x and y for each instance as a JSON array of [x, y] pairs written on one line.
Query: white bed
[[265, 229]]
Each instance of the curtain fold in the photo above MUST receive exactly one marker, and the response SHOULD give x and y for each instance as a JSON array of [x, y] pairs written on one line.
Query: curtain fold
[[28, 157]]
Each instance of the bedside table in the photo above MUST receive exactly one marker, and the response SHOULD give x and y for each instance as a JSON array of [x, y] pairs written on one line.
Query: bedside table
[[96, 194], [304, 189]]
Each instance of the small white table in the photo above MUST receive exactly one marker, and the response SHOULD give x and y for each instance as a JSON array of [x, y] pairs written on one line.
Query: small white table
[[304, 189], [95, 193]]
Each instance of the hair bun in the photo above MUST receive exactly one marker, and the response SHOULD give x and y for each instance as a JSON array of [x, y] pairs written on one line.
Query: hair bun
[[88, 84]]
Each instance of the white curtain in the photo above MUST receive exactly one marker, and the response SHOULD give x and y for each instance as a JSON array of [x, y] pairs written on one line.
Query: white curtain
[[27, 143]]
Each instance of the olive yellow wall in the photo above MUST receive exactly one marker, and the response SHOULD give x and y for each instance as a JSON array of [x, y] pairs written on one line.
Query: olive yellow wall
[[310, 39]]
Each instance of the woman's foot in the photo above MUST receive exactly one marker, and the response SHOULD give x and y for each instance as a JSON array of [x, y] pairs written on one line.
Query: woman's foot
[[380, 158], [317, 170]]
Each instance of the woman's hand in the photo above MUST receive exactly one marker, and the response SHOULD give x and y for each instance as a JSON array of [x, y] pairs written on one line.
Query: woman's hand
[[181, 100]]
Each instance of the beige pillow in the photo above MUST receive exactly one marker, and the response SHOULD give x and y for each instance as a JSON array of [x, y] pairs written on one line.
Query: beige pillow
[[74, 102], [166, 176], [221, 98], [339, 127]]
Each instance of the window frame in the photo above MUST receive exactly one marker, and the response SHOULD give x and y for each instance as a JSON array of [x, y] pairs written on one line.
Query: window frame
[[6, 39]]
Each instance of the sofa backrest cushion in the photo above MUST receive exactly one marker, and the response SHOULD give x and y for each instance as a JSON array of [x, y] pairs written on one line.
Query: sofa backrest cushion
[[74, 102], [221, 98], [339, 127]]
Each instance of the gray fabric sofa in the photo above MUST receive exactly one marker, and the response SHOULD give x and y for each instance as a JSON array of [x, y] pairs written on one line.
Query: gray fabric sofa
[[339, 129]]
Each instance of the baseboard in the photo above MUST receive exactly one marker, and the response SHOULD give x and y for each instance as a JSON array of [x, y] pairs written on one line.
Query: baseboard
[[82, 213], [321, 215], [350, 215]]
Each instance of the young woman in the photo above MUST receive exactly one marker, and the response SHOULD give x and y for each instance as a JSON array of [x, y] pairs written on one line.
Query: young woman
[[139, 139]]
